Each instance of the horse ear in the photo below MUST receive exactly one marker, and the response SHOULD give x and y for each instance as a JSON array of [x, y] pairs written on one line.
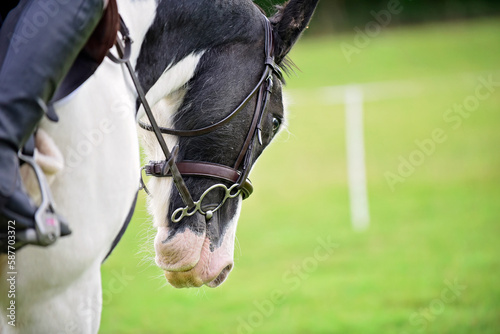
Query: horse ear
[[288, 23]]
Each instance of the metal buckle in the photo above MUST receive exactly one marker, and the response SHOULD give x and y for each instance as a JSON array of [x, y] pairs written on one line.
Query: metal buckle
[[160, 168]]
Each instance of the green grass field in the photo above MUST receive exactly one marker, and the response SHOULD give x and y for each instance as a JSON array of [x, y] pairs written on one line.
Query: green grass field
[[430, 261]]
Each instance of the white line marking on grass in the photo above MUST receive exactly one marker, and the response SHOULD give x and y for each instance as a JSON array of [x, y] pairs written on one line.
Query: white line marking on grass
[[356, 169]]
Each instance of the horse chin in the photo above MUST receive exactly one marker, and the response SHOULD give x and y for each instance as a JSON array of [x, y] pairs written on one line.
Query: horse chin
[[212, 270], [189, 260]]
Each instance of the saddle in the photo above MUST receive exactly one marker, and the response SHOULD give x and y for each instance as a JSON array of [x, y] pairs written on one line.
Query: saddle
[[92, 55]]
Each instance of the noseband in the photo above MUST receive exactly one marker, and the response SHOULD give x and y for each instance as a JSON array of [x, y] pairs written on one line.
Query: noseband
[[236, 174]]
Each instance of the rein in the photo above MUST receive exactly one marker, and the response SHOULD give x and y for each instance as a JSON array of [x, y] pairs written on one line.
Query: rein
[[169, 162], [238, 173]]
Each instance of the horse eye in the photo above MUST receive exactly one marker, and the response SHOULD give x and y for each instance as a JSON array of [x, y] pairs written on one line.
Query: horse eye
[[276, 124]]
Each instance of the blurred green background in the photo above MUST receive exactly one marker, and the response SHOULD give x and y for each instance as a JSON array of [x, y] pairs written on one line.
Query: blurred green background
[[429, 262]]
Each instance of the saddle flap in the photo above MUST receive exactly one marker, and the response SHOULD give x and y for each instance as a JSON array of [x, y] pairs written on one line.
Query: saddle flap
[[102, 39]]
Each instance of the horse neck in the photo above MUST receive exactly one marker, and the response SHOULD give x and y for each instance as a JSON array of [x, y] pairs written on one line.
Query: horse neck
[[138, 16]]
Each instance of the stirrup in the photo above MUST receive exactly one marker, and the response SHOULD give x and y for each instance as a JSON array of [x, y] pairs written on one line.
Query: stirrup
[[47, 222]]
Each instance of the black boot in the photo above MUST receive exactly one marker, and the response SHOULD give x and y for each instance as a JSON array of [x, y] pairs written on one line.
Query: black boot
[[39, 40]]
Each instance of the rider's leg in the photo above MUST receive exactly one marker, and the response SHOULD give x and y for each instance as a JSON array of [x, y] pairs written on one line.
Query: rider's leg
[[39, 40]]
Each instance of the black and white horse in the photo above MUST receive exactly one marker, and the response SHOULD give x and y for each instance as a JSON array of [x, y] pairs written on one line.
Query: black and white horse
[[197, 61]]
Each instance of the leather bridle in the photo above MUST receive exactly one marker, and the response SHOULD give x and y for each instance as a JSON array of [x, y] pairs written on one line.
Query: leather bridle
[[236, 174]]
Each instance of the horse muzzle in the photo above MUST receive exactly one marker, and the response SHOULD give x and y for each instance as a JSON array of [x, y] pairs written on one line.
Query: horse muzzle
[[192, 259]]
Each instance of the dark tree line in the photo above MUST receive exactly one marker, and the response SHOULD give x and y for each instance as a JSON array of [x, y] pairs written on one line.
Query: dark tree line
[[338, 15]]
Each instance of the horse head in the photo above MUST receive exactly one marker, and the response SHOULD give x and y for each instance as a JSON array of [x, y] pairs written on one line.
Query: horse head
[[216, 66]]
